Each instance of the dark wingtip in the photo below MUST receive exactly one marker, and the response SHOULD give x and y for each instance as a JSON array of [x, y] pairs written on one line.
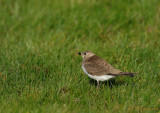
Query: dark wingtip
[[133, 74], [124, 74]]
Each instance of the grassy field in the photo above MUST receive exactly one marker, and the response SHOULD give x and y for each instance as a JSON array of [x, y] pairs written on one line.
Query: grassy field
[[41, 72]]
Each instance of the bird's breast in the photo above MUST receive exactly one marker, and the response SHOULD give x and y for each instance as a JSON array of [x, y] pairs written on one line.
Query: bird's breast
[[84, 70]]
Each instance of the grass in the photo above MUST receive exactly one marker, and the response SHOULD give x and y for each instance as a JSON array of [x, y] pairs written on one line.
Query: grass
[[40, 71]]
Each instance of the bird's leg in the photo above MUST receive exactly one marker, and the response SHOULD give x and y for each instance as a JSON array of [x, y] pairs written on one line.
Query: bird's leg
[[97, 83]]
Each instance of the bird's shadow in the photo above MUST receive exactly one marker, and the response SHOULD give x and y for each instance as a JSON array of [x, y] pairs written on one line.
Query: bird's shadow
[[110, 83]]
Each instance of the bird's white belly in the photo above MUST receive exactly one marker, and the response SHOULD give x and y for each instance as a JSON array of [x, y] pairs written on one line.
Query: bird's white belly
[[101, 78], [98, 78]]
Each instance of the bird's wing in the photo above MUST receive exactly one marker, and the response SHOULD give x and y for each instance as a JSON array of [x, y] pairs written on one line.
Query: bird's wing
[[97, 66]]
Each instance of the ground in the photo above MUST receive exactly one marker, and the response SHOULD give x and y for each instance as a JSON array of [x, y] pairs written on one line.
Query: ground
[[40, 70]]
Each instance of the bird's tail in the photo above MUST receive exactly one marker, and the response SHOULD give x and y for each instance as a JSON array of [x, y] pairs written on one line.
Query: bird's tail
[[127, 74]]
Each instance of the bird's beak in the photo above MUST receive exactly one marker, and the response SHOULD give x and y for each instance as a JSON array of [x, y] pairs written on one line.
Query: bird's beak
[[79, 53]]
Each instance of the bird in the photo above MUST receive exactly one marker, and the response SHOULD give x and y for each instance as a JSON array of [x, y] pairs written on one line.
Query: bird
[[98, 69]]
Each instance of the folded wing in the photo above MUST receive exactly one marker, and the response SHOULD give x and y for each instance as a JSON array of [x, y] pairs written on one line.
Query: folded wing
[[97, 66]]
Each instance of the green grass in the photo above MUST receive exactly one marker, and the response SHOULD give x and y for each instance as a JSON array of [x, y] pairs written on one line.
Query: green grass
[[40, 71]]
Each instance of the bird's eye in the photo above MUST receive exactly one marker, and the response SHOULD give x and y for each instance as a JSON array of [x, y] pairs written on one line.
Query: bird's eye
[[84, 53]]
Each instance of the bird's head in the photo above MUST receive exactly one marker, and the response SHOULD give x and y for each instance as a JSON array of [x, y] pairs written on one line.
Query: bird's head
[[86, 54]]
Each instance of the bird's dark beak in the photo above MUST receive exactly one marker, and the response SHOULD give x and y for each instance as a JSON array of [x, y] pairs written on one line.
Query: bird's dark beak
[[79, 53]]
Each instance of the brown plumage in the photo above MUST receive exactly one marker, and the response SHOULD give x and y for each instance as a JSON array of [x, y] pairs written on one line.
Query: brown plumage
[[97, 66], [98, 69]]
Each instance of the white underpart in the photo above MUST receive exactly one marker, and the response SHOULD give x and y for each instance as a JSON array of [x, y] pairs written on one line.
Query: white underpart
[[98, 78]]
